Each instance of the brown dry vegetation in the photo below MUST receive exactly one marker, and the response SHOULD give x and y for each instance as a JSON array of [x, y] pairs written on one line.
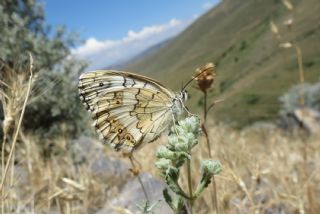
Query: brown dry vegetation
[[264, 171]]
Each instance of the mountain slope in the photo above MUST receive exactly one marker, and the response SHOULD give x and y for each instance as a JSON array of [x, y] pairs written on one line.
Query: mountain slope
[[252, 70], [151, 50]]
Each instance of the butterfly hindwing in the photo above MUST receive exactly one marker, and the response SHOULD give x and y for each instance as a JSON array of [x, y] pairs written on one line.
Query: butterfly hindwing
[[127, 109]]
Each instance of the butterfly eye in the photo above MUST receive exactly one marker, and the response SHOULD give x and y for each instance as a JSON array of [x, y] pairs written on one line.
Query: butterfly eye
[[184, 95], [101, 84], [120, 131]]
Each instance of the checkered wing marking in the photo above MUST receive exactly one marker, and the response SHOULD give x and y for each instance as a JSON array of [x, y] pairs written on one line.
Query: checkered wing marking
[[127, 109]]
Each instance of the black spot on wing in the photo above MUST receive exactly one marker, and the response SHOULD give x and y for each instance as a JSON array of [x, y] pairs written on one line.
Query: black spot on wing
[[124, 82], [134, 83], [145, 84]]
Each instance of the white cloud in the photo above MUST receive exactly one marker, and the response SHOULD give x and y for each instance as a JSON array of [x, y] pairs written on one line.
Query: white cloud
[[195, 16], [108, 52], [207, 5]]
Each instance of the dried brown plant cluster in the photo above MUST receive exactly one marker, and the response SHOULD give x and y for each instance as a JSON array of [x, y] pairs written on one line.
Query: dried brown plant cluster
[[205, 77]]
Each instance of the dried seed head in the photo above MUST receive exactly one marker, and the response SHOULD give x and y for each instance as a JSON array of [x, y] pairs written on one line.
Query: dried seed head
[[206, 76], [288, 4], [274, 28], [286, 45], [8, 124]]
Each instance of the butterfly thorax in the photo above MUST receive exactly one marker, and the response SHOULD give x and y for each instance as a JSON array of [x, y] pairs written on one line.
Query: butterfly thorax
[[178, 103]]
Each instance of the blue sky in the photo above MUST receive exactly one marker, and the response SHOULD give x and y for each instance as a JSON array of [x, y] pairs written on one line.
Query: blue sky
[[115, 30]]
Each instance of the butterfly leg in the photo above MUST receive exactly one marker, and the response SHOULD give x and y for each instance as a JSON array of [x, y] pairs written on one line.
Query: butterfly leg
[[187, 110], [133, 160], [174, 124]]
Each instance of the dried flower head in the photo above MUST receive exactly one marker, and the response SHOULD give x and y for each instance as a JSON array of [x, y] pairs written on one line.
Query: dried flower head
[[205, 76]]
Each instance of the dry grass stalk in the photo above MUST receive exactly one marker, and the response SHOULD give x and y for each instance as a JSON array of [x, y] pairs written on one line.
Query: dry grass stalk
[[19, 122], [293, 44], [301, 73], [268, 163], [14, 97]]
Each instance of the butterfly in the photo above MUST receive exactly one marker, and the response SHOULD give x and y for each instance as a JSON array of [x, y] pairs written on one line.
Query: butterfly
[[128, 109]]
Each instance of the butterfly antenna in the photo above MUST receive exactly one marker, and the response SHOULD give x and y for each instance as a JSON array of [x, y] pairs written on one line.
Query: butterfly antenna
[[193, 79]]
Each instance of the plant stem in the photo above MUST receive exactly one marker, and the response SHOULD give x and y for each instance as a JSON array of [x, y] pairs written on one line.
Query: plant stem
[[215, 194], [190, 186], [300, 63], [2, 152], [301, 74], [205, 114], [205, 111], [2, 168]]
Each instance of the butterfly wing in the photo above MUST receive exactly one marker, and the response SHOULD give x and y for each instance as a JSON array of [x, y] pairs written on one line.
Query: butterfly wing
[[127, 109]]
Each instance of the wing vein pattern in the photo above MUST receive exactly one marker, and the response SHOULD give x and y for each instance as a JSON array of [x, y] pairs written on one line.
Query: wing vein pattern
[[128, 109]]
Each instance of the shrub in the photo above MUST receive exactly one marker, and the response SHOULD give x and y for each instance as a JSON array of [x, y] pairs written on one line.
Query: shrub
[[23, 29]]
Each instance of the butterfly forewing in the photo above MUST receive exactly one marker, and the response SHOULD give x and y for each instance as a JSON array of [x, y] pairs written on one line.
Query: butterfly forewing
[[127, 109]]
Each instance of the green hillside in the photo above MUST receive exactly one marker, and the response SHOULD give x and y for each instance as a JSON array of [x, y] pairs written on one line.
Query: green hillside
[[252, 70]]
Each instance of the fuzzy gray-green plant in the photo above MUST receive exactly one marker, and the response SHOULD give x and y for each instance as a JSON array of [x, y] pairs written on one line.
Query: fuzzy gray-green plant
[[175, 154], [290, 100]]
